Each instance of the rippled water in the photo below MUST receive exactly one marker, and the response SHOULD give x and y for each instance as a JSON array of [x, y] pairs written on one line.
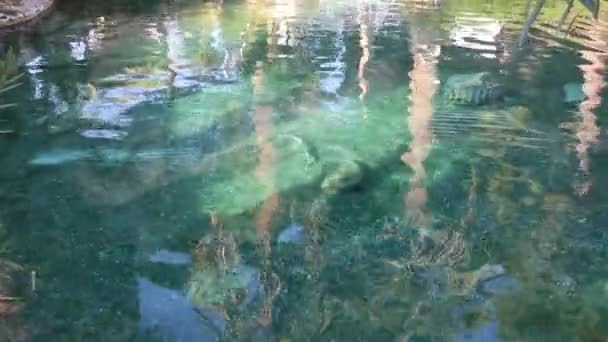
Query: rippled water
[[304, 171]]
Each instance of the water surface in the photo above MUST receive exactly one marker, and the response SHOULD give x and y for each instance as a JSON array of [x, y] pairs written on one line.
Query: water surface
[[300, 171]]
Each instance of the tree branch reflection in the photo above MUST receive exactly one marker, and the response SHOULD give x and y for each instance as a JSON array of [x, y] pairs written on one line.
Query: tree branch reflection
[[587, 131]]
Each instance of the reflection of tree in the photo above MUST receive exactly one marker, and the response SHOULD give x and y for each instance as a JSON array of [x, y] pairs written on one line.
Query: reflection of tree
[[570, 4], [423, 87], [364, 43], [530, 18], [262, 121], [587, 131], [532, 14]]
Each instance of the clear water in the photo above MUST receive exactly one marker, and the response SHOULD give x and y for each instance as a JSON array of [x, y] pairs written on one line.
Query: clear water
[[296, 171]]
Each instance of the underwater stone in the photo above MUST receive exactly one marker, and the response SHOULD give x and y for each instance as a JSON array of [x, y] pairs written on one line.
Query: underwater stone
[[473, 89], [294, 233], [573, 93], [293, 146]]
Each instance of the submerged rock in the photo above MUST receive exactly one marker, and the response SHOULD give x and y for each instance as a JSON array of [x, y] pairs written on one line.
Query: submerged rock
[[573, 93], [342, 175], [291, 147], [473, 89], [294, 233]]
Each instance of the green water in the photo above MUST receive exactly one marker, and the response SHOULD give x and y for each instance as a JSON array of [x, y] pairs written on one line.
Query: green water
[[298, 171]]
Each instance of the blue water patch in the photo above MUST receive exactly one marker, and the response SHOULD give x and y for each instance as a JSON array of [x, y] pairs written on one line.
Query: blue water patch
[[487, 332], [169, 313]]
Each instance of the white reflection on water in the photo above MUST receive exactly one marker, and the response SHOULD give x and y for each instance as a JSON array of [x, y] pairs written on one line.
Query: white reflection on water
[[78, 50], [364, 43], [477, 33]]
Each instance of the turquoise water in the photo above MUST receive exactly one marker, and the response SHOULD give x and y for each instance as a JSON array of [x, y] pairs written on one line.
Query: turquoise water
[[283, 170]]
